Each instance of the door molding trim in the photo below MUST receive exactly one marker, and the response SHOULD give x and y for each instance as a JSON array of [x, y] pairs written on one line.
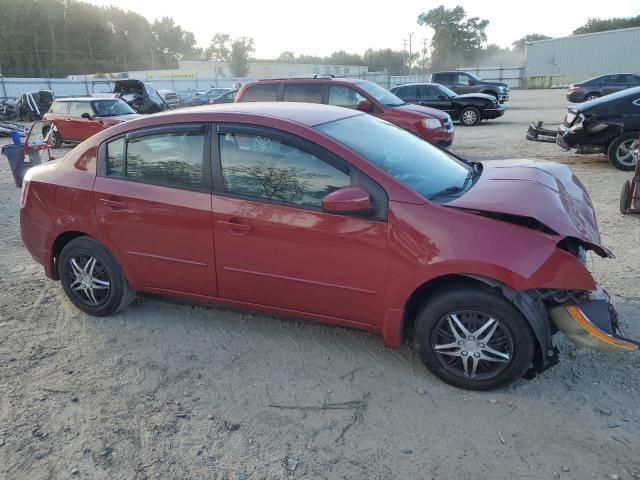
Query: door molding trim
[[169, 259], [301, 280]]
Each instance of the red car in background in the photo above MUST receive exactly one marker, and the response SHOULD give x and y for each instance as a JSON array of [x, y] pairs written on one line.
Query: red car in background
[[430, 124], [331, 215], [77, 119]]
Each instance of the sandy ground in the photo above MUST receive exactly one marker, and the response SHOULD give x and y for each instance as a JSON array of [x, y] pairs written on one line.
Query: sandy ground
[[177, 391]]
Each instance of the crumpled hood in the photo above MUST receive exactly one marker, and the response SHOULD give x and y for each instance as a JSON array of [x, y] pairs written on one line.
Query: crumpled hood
[[546, 191], [422, 112]]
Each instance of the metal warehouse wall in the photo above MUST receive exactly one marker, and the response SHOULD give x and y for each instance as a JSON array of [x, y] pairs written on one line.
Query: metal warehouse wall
[[560, 61]]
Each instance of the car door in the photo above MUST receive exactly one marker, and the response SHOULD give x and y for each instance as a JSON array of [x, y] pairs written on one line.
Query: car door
[[274, 244], [431, 96], [153, 201], [59, 116], [343, 96], [613, 83], [408, 93], [79, 128], [464, 83]]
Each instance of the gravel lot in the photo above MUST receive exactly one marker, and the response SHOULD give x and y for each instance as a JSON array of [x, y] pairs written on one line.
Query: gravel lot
[[178, 391]]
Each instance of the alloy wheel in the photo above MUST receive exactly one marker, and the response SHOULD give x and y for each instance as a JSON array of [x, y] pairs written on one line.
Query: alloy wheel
[[469, 117], [88, 279], [472, 344], [624, 152]]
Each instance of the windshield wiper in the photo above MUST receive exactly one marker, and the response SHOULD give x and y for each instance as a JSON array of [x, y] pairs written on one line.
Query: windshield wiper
[[455, 188]]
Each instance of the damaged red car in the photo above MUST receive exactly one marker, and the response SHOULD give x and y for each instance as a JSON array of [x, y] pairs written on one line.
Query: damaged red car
[[332, 215]]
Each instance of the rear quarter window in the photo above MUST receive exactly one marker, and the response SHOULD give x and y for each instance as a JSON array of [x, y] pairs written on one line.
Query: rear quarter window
[[261, 93]]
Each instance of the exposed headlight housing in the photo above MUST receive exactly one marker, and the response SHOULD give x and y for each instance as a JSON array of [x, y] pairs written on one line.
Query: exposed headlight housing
[[431, 123]]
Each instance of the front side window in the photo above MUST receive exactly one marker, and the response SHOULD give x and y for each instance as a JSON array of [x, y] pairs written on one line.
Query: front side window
[[429, 92], [261, 93], [170, 158], [265, 168], [344, 97], [402, 155], [464, 79], [59, 107], [304, 92], [633, 80]]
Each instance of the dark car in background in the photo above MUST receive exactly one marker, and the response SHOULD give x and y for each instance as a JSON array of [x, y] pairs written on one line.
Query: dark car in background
[[205, 97], [140, 96], [227, 97], [428, 123], [465, 82], [608, 125], [77, 119], [601, 86], [469, 109]]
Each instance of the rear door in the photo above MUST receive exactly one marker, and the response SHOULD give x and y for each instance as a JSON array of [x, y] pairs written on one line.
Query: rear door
[[274, 244], [153, 201], [614, 83]]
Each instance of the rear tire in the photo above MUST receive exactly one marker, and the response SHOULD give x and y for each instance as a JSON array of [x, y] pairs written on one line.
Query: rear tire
[[92, 278], [619, 151], [497, 346], [624, 197], [470, 116]]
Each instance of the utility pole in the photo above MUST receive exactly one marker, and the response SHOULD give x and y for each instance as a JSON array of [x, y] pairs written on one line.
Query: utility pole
[[153, 64], [410, 59], [424, 54], [404, 52]]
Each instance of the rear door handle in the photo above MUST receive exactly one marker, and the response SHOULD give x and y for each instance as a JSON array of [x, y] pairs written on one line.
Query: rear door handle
[[235, 227], [114, 204]]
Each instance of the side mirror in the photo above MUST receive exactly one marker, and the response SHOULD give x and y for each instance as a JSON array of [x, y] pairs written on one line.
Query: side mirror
[[365, 106], [87, 116], [348, 201]]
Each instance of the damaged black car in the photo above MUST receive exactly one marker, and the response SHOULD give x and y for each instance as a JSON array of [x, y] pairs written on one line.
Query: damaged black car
[[609, 125]]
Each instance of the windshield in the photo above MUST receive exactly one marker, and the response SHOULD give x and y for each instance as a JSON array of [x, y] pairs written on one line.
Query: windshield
[[109, 108], [409, 159], [382, 95], [446, 91]]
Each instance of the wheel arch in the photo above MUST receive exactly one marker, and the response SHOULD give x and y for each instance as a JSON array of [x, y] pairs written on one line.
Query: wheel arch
[[63, 238], [532, 309]]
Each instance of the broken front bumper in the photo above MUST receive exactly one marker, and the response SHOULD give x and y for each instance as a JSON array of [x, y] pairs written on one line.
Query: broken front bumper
[[592, 324]]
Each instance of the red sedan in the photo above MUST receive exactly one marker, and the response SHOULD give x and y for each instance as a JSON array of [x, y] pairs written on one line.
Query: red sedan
[[332, 215], [77, 119]]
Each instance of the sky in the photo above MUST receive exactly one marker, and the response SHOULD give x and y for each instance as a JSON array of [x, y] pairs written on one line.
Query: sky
[[322, 27]]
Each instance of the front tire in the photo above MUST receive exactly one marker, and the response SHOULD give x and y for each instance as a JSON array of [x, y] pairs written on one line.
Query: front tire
[[92, 278], [472, 337], [55, 137], [620, 151], [470, 116], [591, 96]]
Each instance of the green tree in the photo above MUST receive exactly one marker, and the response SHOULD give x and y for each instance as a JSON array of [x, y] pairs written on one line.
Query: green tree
[[601, 25], [241, 48], [343, 58], [287, 57], [393, 61], [532, 37], [456, 38], [220, 48]]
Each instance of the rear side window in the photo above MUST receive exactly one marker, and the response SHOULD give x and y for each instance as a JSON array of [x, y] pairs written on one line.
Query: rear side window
[[407, 93], [170, 158], [261, 93], [78, 108], [308, 93], [344, 96], [444, 78]]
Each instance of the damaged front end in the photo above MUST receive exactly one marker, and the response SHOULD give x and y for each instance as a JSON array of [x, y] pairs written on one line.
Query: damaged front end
[[583, 131], [590, 320]]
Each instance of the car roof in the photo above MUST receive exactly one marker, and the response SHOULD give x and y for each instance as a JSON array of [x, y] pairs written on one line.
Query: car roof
[[309, 114], [85, 99], [308, 80], [416, 84]]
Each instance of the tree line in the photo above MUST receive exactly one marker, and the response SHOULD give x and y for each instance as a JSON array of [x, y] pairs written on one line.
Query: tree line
[[56, 38]]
